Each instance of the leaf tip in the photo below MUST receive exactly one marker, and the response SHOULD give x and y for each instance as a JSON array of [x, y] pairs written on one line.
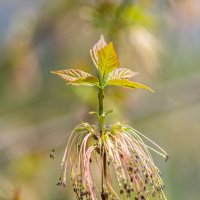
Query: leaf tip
[[53, 72], [136, 73], [151, 90], [102, 37]]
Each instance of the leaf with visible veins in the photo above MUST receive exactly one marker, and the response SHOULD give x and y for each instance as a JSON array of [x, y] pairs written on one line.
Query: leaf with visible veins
[[77, 77], [128, 84]]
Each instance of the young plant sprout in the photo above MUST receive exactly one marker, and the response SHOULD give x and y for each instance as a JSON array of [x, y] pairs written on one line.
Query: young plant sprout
[[118, 150]]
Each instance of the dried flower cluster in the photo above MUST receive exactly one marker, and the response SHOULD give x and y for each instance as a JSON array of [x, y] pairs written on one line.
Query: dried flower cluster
[[117, 152], [128, 158]]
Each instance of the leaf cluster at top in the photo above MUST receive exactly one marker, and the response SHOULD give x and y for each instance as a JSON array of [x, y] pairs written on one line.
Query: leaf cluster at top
[[107, 64]]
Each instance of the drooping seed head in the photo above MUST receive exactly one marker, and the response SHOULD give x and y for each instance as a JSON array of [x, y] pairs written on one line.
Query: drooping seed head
[[128, 158]]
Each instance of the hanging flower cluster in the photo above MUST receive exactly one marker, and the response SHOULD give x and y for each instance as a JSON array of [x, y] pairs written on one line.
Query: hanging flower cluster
[[117, 151]]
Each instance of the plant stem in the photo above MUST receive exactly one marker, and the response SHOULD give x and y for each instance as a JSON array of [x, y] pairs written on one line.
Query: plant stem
[[101, 97], [104, 196]]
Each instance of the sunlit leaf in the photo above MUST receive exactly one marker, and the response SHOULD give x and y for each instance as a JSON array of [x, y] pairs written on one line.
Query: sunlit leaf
[[77, 77], [107, 59], [98, 46], [128, 84], [121, 73], [104, 57]]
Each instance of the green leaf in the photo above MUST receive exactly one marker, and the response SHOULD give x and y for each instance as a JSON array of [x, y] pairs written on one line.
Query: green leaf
[[108, 112], [104, 57], [94, 113], [128, 84], [121, 73], [93, 52], [77, 77], [107, 59]]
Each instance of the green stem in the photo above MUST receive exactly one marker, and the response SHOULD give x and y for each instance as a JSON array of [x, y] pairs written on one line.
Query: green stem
[[104, 196], [101, 97]]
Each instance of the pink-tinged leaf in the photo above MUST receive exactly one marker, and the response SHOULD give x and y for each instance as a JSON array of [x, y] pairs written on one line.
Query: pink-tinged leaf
[[77, 77], [121, 73], [128, 84], [98, 46]]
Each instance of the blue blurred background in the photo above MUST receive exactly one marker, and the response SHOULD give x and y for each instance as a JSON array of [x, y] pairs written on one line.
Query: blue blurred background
[[158, 39]]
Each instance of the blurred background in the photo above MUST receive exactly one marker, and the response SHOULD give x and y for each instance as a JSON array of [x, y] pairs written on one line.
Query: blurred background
[[158, 39]]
